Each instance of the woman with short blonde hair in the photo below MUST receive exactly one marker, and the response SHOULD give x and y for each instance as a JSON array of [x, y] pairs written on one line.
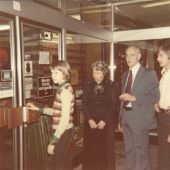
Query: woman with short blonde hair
[[101, 66], [98, 108]]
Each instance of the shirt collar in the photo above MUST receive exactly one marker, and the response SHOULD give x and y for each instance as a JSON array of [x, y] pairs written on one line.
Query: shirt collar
[[136, 67], [62, 84], [164, 71]]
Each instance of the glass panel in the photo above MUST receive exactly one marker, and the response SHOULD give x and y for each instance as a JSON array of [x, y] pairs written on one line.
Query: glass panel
[[95, 12], [141, 15], [40, 50], [149, 49], [56, 4], [149, 54], [6, 96], [98, 13], [82, 51]]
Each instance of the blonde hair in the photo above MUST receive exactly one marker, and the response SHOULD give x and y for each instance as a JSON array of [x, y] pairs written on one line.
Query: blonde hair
[[101, 66], [62, 66]]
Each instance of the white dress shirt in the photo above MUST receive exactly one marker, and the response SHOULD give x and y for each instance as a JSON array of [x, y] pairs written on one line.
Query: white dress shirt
[[164, 87], [134, 72]]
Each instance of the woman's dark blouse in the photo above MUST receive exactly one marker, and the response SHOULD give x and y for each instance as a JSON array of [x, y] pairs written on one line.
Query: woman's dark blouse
[[99, 100]]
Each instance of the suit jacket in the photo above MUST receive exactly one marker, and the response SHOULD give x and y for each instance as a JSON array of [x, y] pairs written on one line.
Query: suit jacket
[[145, 89]]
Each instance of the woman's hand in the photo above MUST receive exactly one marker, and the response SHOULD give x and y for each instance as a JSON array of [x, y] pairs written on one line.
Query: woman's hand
[[92, 124], [50, 149], [101, 124], [31, 106]]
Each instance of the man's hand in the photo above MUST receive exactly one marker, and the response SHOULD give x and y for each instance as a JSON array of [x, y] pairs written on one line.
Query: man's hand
[[168, 140], [157, 107], [120, 128], [92, 124], [50, 149], [31, 106], [127, 97], [101, 124], [168, 109]]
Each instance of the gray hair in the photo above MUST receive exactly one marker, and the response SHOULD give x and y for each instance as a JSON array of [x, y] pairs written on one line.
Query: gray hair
[[101, 66], [135, 47]]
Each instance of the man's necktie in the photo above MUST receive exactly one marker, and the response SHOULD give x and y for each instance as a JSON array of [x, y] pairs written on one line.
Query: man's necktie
[[129, 83], [128, 86]]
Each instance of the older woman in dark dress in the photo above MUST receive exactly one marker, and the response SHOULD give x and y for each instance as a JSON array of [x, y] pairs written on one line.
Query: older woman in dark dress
[[98, 108]]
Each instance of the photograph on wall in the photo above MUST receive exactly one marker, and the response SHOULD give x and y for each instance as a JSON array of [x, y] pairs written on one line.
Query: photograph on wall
[[44, 57], [5, 75], [28, 68]]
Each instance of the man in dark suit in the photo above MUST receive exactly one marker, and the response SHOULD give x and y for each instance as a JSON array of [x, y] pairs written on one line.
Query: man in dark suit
[[139, 94]]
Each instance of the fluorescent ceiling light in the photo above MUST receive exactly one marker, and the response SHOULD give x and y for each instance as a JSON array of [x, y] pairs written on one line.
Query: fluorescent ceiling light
[[88, 7], [156, 4], [4, 27], [96, 11], [76, 16]]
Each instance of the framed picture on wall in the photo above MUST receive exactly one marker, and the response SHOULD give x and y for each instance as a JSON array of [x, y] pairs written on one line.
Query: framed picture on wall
[[6, 75]]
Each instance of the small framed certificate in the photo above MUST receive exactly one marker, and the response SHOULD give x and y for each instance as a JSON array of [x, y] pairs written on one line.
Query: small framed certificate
[[6, 75]]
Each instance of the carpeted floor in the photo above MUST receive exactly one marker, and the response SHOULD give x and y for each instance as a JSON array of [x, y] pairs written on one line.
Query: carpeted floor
[[120, 158], [5, 164]]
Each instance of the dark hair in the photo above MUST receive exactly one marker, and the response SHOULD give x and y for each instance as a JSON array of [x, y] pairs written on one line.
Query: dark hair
[[101, 66], [62, 66], [166, 48]]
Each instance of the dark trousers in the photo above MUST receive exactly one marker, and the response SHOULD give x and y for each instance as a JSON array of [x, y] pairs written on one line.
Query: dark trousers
[[60, 160], [136, 140], [163, 145]]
